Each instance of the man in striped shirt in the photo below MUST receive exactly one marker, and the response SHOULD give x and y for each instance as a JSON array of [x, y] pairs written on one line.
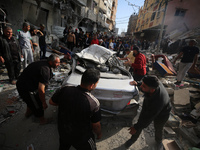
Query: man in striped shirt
[[78, 113]]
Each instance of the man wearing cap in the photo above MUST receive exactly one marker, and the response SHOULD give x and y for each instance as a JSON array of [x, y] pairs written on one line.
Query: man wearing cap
[[42, 42], [24, 38], [156, 107], [139, 65], [189, 59]]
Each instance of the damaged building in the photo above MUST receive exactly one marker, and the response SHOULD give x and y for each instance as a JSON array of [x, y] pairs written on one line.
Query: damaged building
[[178, 18], [90, 15]]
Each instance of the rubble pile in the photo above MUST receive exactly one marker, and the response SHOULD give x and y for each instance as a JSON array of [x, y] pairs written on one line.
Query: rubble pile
[[182, 130]]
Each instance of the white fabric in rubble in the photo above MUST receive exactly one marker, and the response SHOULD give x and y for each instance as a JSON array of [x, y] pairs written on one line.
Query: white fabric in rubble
[[96, 53]]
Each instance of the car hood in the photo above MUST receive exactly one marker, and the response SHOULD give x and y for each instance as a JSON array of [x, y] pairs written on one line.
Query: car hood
[[96, 53]]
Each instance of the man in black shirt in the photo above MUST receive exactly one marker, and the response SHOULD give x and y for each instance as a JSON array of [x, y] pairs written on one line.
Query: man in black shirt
[[156, 107], [189, 59], [10, 54], [31, 85], [42, 42], [78, 113]]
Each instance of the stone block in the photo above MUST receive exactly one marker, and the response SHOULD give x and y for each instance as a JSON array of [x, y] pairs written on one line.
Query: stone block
[[170, 145], [189, 134], [170, 91], [174, 121], [181, 97]]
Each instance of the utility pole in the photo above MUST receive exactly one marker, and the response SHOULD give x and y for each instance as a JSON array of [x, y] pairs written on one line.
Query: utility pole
[[162, 26]]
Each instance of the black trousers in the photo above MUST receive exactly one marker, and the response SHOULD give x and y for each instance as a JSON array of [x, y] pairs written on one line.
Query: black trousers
[[70, 45], [32, 100], [13, 69], [86, 143], [158, 125], [43, 50]]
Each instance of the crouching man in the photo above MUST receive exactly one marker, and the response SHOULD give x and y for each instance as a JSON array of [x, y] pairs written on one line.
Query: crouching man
[[156, 107], [31, 86], [78, 113]]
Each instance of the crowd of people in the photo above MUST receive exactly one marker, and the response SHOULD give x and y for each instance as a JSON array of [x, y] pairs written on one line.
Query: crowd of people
[[28, 45], [76, 37], [79, 112]]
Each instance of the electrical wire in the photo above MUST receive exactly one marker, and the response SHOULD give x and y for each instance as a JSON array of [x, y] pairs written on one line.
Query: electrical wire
[[123, 17]]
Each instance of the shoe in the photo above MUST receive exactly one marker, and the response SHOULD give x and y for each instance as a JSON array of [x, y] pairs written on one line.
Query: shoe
[[128, 143], [177, 82]]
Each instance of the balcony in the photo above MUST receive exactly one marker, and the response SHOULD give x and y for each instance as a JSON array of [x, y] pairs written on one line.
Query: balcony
[[84, 12], [91, 15], [101, 20], [102, 7]]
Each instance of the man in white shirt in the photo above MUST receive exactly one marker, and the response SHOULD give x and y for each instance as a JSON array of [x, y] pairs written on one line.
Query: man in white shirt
[[24, 38]]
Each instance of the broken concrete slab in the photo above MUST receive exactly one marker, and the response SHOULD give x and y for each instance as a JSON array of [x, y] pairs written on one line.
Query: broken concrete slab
[[195, 114], [181, 97], [170, 91], [169, 133], [174, 121], [170, 145], [190, 135]]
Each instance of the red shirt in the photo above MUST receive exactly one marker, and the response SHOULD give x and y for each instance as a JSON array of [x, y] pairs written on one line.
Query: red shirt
[[139, 66], [95, 41]]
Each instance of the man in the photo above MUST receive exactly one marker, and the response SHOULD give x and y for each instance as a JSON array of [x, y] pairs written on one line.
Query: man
[[78, 113], [139, 65], [95, 40], [111, 46], [71, 40], [35, 34], [10, 54], [88, 40], [189, 59], [31, 86], [42, 42], [77, 37], [120, 50], [104, 42], [24, 38], [156, 107], [128, 57]]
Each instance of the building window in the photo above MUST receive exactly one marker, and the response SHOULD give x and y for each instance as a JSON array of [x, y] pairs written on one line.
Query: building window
[[153, 16], [180, 12]]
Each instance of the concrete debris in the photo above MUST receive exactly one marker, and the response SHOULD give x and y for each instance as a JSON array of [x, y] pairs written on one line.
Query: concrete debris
[[188, 124], [174, 121], [170, 91], [169, 132], [195, 114], [181, 97], [197, 131], [170, 145], [197, 106], [190, 135]]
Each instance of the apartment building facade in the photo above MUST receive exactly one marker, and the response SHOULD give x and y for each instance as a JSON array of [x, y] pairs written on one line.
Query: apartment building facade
[[92, 15], [176, 16]]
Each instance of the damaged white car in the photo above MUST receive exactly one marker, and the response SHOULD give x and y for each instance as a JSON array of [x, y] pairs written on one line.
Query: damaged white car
[[113, 90]]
